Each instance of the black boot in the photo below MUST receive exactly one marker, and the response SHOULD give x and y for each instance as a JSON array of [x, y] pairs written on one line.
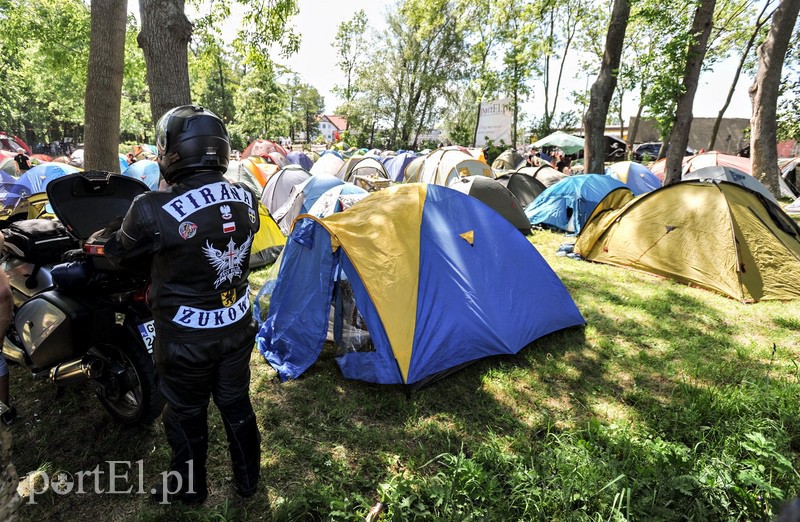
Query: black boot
[[186, 481], [244, 444]]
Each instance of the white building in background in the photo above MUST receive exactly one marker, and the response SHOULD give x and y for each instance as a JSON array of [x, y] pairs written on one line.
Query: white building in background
[[331, 126]]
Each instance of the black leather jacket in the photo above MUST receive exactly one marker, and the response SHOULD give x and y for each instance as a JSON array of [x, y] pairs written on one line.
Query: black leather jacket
[[197, 237]]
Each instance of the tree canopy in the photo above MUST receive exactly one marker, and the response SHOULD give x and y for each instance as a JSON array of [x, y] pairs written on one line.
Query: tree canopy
[[430, 66]]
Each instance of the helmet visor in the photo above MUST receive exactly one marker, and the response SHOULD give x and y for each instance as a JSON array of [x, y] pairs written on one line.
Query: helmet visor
[[161, 130]]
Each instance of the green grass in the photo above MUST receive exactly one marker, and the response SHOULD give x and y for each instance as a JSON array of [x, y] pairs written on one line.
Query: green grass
[[674, 403]]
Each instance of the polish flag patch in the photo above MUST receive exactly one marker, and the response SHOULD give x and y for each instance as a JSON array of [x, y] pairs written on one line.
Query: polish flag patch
[[229, 227]]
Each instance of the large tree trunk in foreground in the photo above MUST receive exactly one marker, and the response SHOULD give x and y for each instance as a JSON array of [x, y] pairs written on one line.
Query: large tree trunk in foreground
[[164, 39], [764, 95], [594, 121], [679, 137], [104, 85]]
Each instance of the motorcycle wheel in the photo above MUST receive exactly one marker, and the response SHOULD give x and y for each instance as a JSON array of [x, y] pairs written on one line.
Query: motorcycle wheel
[[131, 397]]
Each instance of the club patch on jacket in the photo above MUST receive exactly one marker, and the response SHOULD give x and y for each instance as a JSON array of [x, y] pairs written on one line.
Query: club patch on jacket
[[228, 297], [187, 229], [228, 264], [191, 317], [190, 202]]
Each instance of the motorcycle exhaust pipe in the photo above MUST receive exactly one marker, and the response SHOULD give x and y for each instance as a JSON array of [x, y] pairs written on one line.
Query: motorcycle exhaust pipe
[[13, 352], [76, 371]]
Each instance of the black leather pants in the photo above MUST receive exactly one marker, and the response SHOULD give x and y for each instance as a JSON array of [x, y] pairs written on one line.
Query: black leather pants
[[189, 374]]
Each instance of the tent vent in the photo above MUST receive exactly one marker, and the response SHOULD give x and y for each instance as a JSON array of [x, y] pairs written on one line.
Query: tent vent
[[469, 237]]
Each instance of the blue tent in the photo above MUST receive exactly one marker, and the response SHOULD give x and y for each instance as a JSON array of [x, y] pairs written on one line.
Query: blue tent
[[32, 181], [123, 163], [396, 165], [146, 171], [316, 186], [35, 180], [331, 151], [639, 178], [300, 158], [302, 197], [568, 204], [416, 259]]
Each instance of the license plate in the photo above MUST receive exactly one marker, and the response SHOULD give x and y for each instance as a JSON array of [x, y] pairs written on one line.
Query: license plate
[[148, 332]]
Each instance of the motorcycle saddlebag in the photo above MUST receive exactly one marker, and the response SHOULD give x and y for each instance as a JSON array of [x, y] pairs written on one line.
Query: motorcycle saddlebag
[[38, 241]]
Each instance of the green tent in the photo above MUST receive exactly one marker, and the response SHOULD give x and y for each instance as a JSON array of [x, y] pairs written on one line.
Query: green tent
[[567, 142]]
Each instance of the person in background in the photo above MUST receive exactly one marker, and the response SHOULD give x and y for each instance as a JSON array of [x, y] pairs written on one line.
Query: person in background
[[22, 159], [532, 159], [131, 158], [562, 164], [196, 236]]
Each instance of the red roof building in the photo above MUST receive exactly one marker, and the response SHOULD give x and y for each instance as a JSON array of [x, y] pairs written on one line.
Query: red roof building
[[330, 126]]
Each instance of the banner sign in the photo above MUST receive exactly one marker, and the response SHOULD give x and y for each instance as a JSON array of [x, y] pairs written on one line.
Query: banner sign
[[495, 122]]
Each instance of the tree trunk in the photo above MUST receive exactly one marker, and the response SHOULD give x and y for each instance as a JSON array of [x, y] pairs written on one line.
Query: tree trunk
[[634, 128], [679, 136], [104, 85], [223, 93], [760, 21], [515, 119], [164, 40], [764, 95], [477, 125], [594, 121]]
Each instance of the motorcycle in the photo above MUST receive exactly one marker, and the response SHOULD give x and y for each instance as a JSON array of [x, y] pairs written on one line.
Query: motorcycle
[[81, 320]]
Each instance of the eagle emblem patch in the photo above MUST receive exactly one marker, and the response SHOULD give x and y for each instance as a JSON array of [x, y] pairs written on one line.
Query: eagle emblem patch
[[228, 264]]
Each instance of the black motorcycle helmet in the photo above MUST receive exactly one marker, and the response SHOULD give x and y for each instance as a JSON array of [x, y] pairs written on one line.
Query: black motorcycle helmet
[[190, 139]]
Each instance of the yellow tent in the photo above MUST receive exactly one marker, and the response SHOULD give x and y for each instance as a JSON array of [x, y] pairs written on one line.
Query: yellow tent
[[442, 166], [268, 241], [715, 235]]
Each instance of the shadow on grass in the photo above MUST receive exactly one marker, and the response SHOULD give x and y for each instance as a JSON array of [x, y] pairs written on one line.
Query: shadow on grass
[[329, 444]]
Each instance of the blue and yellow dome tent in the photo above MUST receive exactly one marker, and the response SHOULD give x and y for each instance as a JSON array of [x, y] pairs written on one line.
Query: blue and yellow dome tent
[[428, 269]]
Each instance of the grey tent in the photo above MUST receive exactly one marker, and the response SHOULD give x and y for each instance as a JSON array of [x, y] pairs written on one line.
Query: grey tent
[[508, 160], [492, 193], [725, 173], [524, 187], [280, 185], [546, 175]]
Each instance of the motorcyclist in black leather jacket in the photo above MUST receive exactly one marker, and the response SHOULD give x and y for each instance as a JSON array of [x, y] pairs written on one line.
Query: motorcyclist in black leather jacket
[[196, 237]]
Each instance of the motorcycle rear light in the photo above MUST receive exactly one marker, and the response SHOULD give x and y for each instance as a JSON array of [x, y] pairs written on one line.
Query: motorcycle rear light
[[94, 250]]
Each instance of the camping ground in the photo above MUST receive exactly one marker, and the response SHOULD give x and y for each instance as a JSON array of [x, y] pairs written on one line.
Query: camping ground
[[673, 403]]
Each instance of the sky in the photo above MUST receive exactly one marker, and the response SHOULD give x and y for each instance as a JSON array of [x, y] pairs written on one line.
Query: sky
[[315, 62]]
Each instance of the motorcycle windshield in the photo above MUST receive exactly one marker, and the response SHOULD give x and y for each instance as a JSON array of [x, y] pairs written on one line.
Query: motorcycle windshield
[[86, 202]]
